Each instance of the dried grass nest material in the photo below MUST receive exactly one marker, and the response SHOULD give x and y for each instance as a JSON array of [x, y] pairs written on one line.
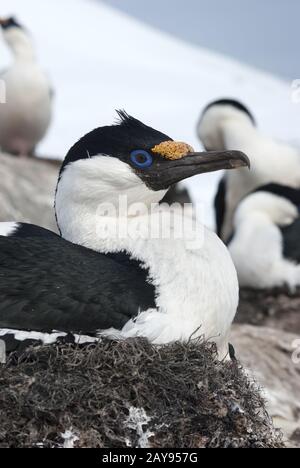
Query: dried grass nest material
[[130, 393]]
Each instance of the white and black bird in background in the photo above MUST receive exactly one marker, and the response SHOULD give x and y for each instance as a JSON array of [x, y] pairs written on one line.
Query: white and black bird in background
[[265, 246], [229, 125], [26, 114], [95, 283]]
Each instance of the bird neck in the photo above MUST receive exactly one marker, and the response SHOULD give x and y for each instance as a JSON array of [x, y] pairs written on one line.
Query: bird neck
[[20, 45], [90, 198], [239, 134], [106, 226], [99, 192]]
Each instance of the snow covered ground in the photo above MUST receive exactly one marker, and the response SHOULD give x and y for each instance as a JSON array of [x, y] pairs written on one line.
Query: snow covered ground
[[100, 60]]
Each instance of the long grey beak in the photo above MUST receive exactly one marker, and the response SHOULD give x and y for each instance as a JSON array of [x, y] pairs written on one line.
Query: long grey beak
[[196, 163]]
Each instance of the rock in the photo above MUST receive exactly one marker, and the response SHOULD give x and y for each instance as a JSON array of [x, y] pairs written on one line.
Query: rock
[[274, 308], [2, 352], [295, 439], [270, 355], [27, 190]]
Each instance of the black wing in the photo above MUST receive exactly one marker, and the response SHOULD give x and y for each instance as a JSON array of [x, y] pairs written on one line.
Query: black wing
[[30, 230], [220, 206], [47, 283], [291, 241]]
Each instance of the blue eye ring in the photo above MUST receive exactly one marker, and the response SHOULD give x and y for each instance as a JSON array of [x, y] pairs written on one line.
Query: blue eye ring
[[141, 159]]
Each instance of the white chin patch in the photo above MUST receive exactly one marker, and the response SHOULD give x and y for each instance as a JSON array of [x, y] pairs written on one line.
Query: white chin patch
[[7, 229]]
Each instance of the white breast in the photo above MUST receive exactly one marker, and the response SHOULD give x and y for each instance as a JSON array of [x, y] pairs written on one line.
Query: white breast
[[26, 115], [196, 282]]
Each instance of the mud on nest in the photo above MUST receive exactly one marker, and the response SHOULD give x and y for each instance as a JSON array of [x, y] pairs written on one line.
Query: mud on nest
[[130, 393]]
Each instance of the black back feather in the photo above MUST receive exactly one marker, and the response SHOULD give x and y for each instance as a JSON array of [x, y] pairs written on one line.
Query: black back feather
[[48, 283], [291, 241]]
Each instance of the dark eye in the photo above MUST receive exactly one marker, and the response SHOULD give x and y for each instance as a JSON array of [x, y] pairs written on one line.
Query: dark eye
[[141, 159]]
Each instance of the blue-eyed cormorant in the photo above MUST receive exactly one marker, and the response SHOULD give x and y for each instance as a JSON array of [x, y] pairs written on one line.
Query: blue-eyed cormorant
[[121, 267]]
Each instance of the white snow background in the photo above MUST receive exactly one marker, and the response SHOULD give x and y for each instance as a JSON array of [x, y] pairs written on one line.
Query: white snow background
[[100, 60]]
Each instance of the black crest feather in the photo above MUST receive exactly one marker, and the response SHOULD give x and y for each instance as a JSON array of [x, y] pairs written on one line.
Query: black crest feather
[[117, 140], [124, 117]]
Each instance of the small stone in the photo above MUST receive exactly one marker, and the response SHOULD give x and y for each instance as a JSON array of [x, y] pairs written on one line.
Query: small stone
[[2, 352]]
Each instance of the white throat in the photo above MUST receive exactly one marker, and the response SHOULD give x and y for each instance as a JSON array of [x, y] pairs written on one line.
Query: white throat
[[90, 189], [20, 44], [222, 122], [239, 134]]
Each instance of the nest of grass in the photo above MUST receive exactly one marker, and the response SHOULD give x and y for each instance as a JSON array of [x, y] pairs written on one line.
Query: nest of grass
[[276, 308], [130, 394]]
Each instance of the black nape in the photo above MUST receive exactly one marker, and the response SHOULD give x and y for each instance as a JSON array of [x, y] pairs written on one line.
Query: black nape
[[233, 103]]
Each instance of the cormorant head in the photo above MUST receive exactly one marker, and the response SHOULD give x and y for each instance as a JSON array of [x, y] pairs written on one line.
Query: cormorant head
[[8, 23], [132, 159], [16, 37], [215, 115]]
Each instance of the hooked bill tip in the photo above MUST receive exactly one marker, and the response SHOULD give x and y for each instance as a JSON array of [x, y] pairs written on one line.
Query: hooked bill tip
[[239, 159]]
